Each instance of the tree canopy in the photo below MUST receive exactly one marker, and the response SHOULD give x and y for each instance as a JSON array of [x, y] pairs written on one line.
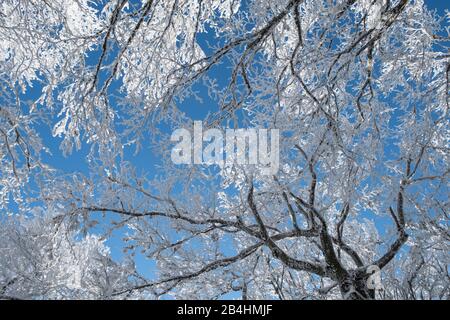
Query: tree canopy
[[357, 89]]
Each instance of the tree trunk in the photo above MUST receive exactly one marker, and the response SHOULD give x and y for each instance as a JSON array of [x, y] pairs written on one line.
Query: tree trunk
[[354, 287]]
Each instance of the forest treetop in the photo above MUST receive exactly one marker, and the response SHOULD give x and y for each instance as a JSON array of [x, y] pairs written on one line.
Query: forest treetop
[[358, 89]]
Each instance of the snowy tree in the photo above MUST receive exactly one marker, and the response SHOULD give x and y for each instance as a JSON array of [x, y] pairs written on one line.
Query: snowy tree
[[358, 89], [42, 259]]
